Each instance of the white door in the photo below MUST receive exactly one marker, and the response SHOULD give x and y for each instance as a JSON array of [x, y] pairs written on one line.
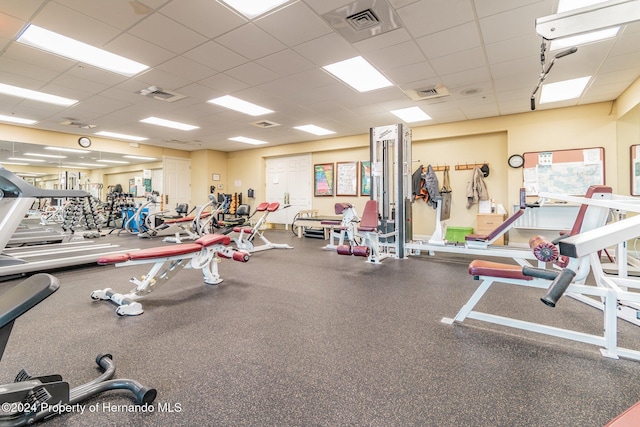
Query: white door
[[289, 176], [177, 181]]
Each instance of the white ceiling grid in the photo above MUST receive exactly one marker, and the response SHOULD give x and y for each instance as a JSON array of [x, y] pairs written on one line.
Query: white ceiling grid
[[485, 52]]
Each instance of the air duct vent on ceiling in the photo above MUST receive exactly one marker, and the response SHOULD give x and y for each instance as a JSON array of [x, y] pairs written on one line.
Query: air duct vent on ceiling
[[431, 92], [77, 124], [265, 124], [161, 94], [363, 20]]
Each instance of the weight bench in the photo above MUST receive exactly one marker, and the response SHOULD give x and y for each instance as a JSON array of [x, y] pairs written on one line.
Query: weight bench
[[31, 399], [247, 235], [205, 254], [482, 241]]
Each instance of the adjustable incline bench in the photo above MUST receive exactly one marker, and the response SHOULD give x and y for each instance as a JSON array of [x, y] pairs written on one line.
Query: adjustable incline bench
[[247, 235], [204, 253], [481, 241], [36, 398]]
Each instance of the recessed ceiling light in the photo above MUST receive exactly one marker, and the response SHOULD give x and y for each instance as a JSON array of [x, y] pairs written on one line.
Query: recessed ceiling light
[[561, 91], [316, 130], [68, 150], [240, 105], [95, 165], [120, 136], [411, 114], [248, 140], [168, 123], [35, 95], [73, 49], [359, 74], [253, 8], [13, 119], [50, 156], [20, 159], [567, 5], [140, 157], [117, 162], [591, 37], [15, 163]]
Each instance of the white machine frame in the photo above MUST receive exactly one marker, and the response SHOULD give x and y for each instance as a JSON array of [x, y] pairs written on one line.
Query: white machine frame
[[246, 235], [205, 256], [614, 294]]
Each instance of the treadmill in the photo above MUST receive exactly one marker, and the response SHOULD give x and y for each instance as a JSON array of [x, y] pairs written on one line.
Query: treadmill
[[16, 198]]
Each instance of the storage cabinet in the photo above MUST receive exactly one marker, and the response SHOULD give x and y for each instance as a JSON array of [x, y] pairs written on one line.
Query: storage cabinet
[[489, 222]]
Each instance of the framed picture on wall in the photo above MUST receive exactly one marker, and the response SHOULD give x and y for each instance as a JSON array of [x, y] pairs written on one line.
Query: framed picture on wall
[[365, 178], [347, 179], [635, 170], [323, 179]]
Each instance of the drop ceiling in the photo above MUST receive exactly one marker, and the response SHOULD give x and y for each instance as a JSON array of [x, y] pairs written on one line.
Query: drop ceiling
[[483, 55]]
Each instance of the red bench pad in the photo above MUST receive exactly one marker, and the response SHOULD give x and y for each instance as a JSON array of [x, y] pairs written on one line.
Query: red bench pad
[[186, 218], [247, 230], [629, 418], [113, 259], [497, 269], [213, 239], [165, 251]]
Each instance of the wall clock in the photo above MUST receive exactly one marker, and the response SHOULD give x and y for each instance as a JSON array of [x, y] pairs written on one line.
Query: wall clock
[[84, 142], [516, 161]]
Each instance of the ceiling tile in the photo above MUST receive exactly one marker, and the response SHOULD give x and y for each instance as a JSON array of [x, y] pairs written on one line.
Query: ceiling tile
[[431, 16], [286, 62], [294, 24], [250, 42], [215, 56], [207, 17], [326, 50], [452, 40], [162, 31]]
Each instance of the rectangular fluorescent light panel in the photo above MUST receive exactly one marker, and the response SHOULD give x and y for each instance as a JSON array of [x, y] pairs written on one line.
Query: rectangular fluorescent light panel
[[49, 156], [567, 5], [73, 49], [240, 105], [253, 8], [18, 120], [248, 140], [120, 136], [116, 162], [35, 95], [316, 130], [591, 37], [359, 74], [561, 91], [68, 150], [21, 159], [411, 114], [140, 158], [168, 123]]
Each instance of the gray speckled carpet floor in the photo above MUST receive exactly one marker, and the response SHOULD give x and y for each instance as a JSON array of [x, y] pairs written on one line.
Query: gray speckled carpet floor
[[305, 337]]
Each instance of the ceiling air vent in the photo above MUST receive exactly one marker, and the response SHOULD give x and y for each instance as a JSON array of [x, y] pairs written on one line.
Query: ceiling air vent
[[161, 94], [363, 20], [77, 124], [265, 124], [431, 92]]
